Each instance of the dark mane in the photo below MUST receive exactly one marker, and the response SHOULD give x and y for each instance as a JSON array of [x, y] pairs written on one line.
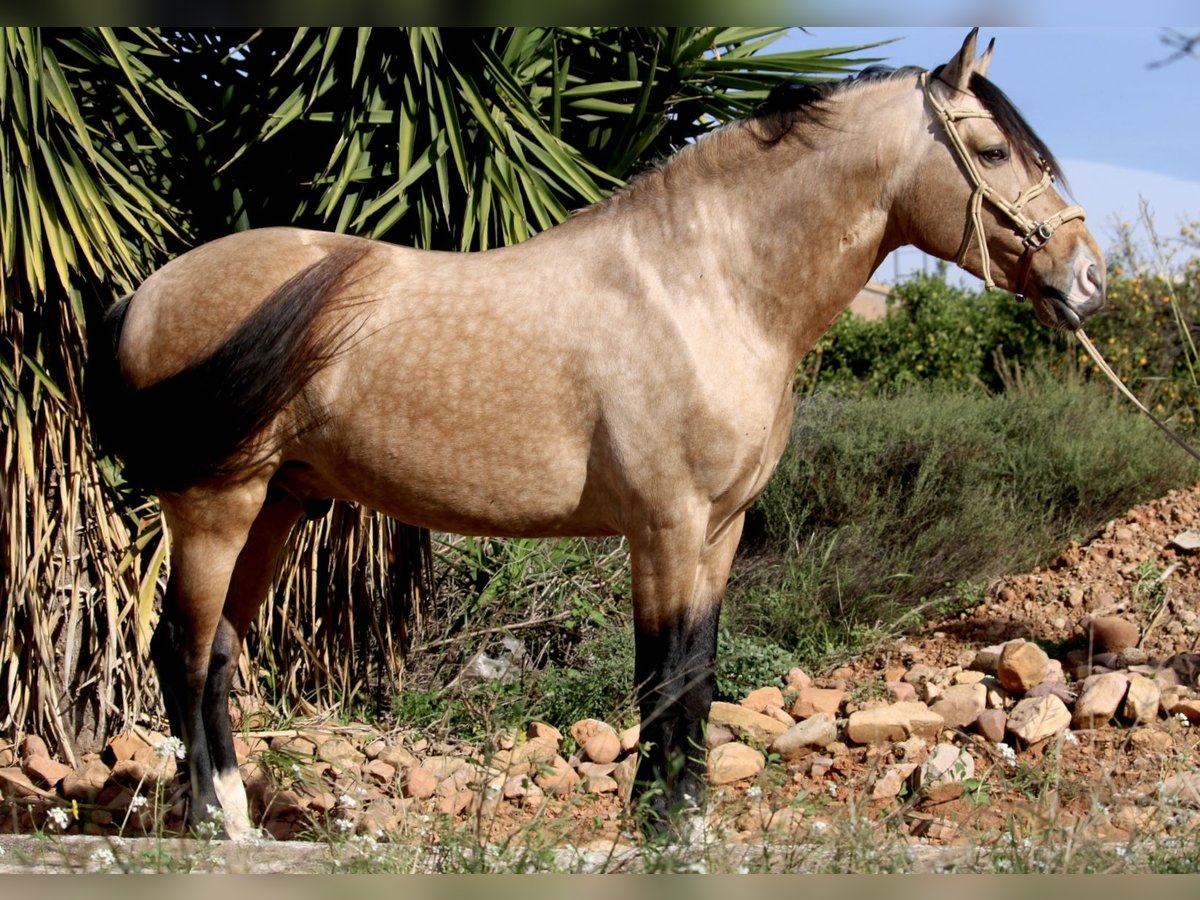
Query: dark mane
[[801, 103], [1032, 148]]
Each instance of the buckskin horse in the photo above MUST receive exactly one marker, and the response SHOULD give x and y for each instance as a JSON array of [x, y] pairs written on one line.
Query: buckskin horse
[[627, 372]]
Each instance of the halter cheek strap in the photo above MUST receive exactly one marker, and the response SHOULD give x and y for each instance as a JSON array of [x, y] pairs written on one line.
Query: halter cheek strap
[[1034, 235]]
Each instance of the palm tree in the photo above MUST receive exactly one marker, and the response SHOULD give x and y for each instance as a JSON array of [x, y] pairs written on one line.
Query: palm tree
[[119, 148]]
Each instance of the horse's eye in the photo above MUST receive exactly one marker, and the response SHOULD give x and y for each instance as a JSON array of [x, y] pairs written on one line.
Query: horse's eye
[[994, 155]]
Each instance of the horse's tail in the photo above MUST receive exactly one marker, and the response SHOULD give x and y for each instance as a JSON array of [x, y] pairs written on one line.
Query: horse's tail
[[194, 425]]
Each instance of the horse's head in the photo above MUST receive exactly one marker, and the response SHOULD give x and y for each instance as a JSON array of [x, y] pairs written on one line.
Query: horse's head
[[983, 195]]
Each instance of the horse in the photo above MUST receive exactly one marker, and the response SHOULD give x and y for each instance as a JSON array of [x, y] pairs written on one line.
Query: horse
[[626, 372]]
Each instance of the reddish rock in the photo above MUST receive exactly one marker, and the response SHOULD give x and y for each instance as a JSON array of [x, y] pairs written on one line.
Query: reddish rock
[[419, 783], [991, 725], [1100, 697], [1142, 700], [85, 783], [730, 763], [397, 757], [893, 723], [125, 746], [754, 726], [585, 729], [960, 704], [602, 747], [1022, 666], [1111, 634], [32, 745], [763, 698], [901, 692], [44, 771], [1036, 718], [546, 731], [797, 680], [629, 738], [379, 771], [557, 778], [813, 700], [15, 784]]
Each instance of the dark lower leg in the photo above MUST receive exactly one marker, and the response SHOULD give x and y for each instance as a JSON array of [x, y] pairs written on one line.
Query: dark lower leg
[[674, 671]]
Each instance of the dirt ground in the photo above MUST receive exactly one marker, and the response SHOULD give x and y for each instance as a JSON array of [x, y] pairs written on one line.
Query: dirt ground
[[1115, 780]]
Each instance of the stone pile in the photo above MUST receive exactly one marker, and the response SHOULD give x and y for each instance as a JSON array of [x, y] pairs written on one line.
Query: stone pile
[[921, 728]]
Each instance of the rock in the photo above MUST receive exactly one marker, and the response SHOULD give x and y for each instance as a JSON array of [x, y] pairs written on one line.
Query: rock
[[716, 735], [32, 745], [1141, 700], [819, 730], [893, 723], [516, 786], [1183, 789], [1187, 707], [124, 746], [558, 778], [456, 802], [891, 780], [1110, 634], [960, 704], [629, 738], [535, 751], [991, 724], [755, 726], [544, 730], [913, 750], [1186, 541], [132, 773], [734, 762], [1057, 689], [585, 729], [600, 784], [988, 659], [624, 773], [419, 783], [596, 769], [1022, 666], [602, 747], [1185, 666], [797, 680], [15, 785], [783, 718], [1170, 696], [758, 701], [398, 757], [939, 778], [813, 700], [968, 676], [901, 692], [85, 783], [1036, 718], [341, 753], [379, 771], [44, 771]]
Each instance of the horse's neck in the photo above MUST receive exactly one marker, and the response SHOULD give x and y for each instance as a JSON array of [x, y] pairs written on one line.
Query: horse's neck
[[786, 234]]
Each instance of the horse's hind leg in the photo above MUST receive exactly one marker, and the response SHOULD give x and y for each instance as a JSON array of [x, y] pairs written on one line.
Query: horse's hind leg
[[251, 582], [679, 578], [208, 528]]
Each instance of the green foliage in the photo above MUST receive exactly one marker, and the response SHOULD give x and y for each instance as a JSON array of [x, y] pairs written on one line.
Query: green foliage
[[882, 503], [933, 334], [597, 682], [746, 662]]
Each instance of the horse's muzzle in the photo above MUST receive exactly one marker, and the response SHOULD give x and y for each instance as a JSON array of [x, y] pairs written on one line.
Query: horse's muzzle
[[1069, 301]]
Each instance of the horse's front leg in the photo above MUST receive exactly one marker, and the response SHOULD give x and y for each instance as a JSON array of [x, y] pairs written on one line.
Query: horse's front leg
[[679, 578]]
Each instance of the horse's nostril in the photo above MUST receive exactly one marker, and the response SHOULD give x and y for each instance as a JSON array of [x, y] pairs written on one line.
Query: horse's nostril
[[1093, 275]]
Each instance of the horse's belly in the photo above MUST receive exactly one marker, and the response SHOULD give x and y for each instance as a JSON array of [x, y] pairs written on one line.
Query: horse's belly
[[468, 485]]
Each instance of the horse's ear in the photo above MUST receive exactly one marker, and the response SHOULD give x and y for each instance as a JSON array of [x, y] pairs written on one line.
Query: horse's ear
[[957, 72], [981, 65]]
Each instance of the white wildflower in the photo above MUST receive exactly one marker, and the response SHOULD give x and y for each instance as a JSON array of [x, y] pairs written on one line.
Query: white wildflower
[[818, 826], [169, 747], [59, 817], [137, 802], [103, 858], [347, 802], [1008, 754], [343, 825], [832, 789], [1069, 737], [215, 814], [1183, 720], [754, 792]]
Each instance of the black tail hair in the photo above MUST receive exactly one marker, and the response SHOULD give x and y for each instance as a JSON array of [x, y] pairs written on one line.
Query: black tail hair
[[190, 426]]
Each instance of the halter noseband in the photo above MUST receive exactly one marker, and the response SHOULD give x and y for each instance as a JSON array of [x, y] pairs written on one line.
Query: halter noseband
[[1034, 235]]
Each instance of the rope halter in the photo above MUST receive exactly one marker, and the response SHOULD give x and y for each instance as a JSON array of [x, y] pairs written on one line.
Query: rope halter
[[1034, 235]]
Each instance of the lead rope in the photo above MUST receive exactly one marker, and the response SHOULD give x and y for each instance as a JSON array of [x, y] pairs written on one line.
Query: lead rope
[[1120, 385]]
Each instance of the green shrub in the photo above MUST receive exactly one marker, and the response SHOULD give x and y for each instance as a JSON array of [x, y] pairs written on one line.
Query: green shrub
[[881, 502]]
